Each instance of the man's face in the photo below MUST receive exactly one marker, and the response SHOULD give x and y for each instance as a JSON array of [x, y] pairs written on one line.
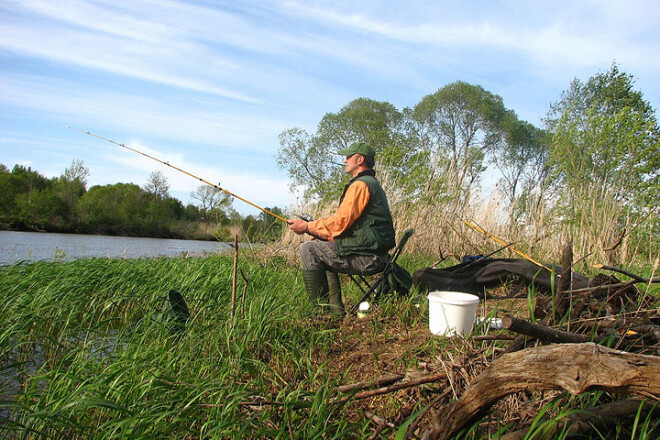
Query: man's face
[[352, 164]]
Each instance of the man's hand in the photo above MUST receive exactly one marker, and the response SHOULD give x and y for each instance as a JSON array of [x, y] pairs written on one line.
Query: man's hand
[[298, 226]]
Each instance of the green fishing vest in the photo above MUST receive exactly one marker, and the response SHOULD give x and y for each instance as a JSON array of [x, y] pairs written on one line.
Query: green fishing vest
[[373, 232]]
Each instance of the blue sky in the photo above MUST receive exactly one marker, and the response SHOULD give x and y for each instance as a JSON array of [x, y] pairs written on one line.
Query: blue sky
[[209, 85]]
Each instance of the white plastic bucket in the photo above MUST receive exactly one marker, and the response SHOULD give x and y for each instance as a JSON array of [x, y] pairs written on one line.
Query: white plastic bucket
[[452, 313]]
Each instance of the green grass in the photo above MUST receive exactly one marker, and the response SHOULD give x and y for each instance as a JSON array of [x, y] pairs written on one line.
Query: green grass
[[90, 349]]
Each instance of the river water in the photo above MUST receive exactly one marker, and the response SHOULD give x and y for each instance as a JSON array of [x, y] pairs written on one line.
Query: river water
[[42, 246]]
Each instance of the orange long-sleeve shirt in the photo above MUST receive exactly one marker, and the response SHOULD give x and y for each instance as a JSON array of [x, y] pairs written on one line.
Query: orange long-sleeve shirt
[[350, 209]]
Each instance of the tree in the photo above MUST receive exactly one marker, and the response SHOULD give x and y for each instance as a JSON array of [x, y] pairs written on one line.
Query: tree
[[312, 161], [117, 209], [77, 171], [41, 210], [70, 187], [157, 184], [457, 125], [212, 201], [605, 162], [522, 161], [605, 136]]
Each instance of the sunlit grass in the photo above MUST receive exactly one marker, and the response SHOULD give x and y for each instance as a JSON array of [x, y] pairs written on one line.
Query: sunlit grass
[[91, 349]]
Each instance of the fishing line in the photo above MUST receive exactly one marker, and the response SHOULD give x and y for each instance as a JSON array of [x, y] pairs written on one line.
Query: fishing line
[[182, 171]]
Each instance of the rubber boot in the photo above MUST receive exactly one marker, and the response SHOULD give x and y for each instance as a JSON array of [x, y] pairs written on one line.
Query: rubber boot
[[316, 284], [334, 286]]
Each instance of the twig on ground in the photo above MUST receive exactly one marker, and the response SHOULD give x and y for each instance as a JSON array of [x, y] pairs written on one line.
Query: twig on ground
[[381, 381], [390, 389], [635, 277]]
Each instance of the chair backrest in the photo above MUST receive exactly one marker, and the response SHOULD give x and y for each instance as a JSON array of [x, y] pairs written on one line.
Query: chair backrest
[[399, 247]]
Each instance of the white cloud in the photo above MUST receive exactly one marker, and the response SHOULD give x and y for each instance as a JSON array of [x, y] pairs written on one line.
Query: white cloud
[[595, 38]]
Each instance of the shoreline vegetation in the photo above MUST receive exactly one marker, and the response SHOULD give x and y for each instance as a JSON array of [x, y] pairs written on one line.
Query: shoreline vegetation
[[93, 349], [32, 202]]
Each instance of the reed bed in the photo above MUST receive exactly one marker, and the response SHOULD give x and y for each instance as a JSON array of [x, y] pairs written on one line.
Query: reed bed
[[90, 350]]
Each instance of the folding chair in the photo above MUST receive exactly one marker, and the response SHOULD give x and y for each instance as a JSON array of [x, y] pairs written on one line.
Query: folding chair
[[371, 288]]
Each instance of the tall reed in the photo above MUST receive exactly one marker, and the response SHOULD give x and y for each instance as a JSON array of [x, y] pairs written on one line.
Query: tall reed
[[90, 350]]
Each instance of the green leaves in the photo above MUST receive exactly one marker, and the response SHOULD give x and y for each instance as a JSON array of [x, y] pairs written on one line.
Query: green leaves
[[605, 134]]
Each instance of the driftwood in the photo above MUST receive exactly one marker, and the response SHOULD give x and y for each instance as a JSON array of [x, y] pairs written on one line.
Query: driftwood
[[575, 368], [600, 418]]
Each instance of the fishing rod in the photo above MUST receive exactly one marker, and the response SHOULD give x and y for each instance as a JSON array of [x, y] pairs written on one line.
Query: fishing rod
[[183, 171], [502, 242]]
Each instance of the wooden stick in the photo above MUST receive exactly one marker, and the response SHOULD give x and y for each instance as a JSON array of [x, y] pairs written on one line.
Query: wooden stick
[[637, 278], [233, 284], [396, 387], [383, 380], [545, 334]]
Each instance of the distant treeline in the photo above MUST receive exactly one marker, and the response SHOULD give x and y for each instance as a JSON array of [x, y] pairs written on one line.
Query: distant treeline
[[30, 201]]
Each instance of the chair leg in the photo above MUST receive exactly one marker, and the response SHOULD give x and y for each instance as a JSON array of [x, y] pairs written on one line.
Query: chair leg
[[336, 304]]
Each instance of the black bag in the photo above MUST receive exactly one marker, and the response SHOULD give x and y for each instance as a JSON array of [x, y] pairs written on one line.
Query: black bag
[[396, 279], [476, 276]]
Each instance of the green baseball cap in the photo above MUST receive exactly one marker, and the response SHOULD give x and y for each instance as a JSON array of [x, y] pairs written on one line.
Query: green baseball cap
[[358, 148]]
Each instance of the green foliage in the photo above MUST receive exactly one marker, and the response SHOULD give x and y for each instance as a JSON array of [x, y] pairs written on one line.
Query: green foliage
[[433, 152], [606, 135], [605, 156], [88, 352], [313, 162], [522, 161], [458, 125], [30, 201]]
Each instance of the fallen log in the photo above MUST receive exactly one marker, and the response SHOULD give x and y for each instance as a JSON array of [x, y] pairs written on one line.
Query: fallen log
[[575, 368]]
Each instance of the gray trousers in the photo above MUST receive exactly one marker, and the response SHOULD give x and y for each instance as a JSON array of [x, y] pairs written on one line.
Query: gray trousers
[[317, 254]]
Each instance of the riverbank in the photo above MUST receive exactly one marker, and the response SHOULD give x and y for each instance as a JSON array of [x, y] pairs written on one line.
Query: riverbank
[[92, 349], [182, 231]]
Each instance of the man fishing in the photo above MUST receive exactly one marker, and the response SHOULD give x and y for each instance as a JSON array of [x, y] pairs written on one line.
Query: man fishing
[[355, 240]]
